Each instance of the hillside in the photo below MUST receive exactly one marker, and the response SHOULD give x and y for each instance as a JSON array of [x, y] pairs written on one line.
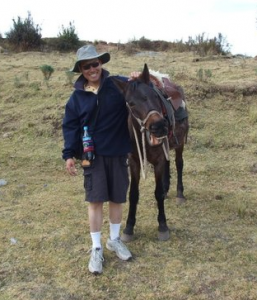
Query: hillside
[[44, 235]]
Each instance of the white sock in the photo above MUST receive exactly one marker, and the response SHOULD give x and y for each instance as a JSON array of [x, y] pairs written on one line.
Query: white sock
[[96, 239], [114, 231]]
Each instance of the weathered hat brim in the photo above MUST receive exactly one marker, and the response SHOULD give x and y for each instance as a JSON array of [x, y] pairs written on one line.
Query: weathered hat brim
[[104, 58]]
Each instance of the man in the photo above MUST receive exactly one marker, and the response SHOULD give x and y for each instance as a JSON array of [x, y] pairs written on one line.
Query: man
[[97, 104]]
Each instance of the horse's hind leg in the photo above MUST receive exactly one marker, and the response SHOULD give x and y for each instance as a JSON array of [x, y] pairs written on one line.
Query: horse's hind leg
[[128, 232], [179, 166]]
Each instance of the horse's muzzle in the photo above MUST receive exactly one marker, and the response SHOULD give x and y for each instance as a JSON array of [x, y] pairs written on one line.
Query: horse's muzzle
[[157, 131]]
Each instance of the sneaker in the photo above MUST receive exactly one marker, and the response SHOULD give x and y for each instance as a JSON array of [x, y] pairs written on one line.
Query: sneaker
[[119, 248], [95, 265]]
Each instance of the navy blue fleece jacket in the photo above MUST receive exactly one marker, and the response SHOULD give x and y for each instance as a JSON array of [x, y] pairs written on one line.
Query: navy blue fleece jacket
[[110, 135]]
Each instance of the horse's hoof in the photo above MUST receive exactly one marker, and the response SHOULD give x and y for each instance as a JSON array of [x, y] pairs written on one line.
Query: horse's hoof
[[127, 237], [181, 201], [163, 235]]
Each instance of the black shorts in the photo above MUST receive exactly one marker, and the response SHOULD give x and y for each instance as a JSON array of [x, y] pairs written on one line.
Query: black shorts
[[107, 179]]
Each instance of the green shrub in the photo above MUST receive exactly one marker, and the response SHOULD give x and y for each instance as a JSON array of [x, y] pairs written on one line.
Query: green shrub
[[178, 46], [70, 76], [145, 44], [208, 73], [199, 74], [163, 45], [68, 39], [130, 48], [253, 115], [203, 46], [204, 75], [17, 82], [47, 71], [24, 35]]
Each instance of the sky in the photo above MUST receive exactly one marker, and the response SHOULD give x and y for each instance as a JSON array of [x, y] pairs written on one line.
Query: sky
[[123, 21]]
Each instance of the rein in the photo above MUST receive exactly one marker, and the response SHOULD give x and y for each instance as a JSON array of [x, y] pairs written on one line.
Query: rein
[[143, 129]]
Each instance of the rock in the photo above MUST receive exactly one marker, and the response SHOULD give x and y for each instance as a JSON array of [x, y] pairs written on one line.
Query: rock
[[3, 182]]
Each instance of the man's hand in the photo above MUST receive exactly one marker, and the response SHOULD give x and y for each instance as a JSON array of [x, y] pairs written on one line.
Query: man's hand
[[134, 75], [70, 166]]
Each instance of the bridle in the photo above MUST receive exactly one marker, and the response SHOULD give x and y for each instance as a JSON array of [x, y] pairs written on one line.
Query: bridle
[[143, 130]]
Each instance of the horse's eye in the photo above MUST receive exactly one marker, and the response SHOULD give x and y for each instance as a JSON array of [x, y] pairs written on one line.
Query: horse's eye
[[144, 98], [131, 103]]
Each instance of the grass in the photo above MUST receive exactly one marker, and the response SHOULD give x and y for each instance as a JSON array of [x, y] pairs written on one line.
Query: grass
[[44, 237]]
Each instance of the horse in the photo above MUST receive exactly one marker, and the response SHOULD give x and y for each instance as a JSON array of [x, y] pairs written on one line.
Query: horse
[[153, 133]]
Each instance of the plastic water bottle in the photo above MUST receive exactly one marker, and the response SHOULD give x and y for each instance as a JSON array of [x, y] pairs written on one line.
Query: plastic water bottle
[[88, 148]]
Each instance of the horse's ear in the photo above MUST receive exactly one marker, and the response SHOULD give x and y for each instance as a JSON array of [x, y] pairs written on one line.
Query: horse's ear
[[121, 85], [145, 76]]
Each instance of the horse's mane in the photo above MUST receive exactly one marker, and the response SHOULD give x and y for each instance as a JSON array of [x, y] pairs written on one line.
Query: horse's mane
[[157, 78], [133, 84]]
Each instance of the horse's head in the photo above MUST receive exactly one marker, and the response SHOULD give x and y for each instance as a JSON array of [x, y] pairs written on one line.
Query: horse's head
[[145, 106]]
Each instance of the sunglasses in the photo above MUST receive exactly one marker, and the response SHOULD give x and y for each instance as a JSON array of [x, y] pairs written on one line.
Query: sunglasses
[[93, 65]]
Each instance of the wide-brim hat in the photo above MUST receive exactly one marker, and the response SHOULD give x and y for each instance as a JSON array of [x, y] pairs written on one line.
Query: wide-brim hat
[[89, 52]]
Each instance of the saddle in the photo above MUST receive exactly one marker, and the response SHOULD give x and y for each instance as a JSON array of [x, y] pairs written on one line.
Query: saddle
[[172, 97], [173, 92]]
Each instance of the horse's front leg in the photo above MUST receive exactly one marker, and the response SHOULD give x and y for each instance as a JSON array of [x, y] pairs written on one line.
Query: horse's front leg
[[166, 179], [163, 229], [179, 166], [128, 232]]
